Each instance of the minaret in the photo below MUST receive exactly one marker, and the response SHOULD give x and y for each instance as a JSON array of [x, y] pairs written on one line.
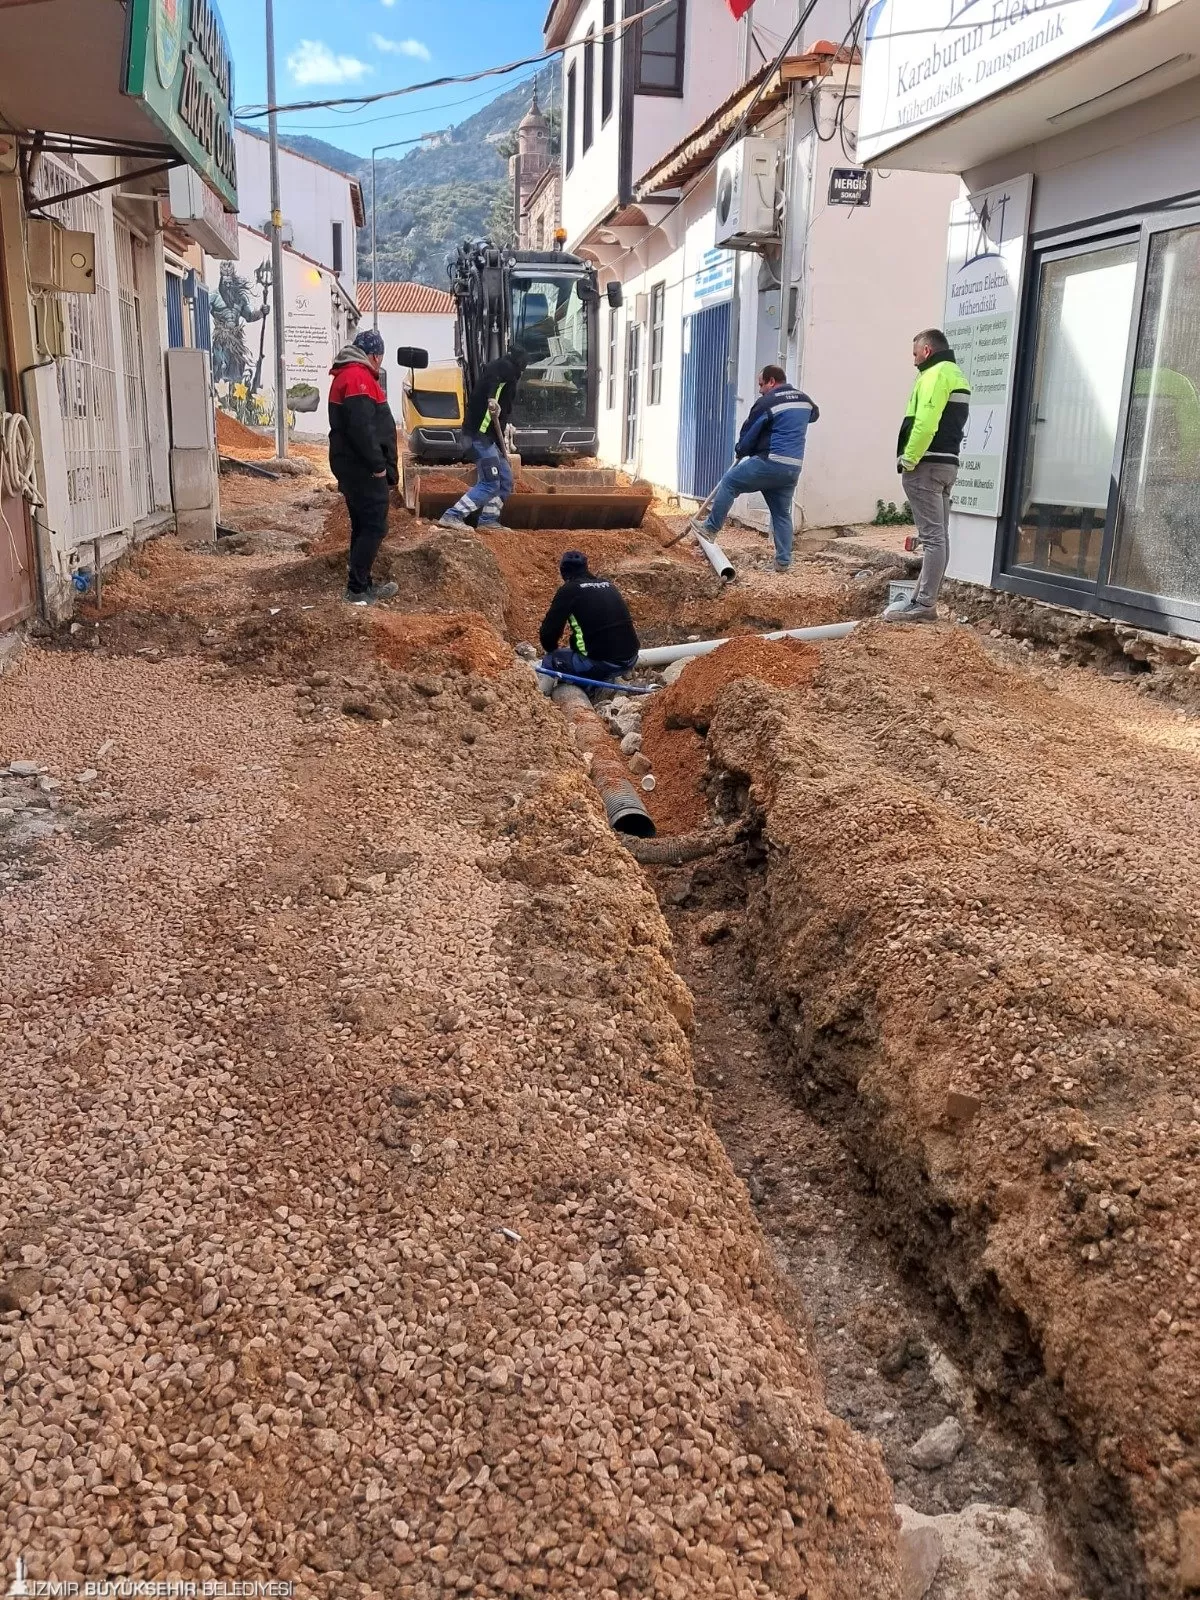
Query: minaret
[[533, 157]]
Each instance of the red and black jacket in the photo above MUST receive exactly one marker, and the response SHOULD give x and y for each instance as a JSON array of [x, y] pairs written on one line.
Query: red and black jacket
[[362, 429]]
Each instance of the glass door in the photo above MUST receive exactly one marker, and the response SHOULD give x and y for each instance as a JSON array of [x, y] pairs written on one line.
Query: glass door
[[1085, 302], [1155, 561]]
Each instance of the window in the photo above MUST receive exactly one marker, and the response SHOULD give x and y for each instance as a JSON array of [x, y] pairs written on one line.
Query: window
[[608, 55], [549, 321], [1085, 305], [610, 398], [337, 247], [658, 304], [660, 51], [540, 234], [589, 88], [569, 136], [633, 360]]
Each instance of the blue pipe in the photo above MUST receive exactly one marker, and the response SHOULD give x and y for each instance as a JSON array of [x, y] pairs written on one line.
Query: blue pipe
[[597, 683]]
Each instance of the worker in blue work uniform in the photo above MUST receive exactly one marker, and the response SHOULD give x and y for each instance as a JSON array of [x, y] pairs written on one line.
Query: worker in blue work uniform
[[770, 454], [487, 415], [603, 640]]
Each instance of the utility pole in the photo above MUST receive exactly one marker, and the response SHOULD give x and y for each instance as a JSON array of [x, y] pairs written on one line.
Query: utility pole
[[281, 432]]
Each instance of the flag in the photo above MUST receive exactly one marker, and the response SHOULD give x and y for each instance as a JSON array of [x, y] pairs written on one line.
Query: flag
[[739, 8]]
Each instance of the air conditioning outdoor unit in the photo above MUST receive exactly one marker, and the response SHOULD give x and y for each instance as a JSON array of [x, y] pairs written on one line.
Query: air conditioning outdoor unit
[[747, 181]]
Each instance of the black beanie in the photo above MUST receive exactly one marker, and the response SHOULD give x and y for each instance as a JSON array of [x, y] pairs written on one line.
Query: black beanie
[[573, 564]]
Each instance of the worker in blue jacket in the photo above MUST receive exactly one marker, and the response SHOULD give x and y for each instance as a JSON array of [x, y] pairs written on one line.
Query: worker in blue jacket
[[770, 454]]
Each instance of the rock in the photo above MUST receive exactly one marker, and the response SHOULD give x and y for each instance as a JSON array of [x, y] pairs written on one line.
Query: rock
[[640, 765], [19, 1288], [675, 671], [88, 775], [370, 883], [939, 1446], [335, 886], [920, 1547], [371, 710], [631, 744], [526, 652], [1189, 1550], [405, 1099], [902, 1355], [962, 1107], [24, 769]]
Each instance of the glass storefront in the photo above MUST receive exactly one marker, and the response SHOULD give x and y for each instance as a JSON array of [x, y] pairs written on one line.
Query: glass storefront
[[1106, 509]]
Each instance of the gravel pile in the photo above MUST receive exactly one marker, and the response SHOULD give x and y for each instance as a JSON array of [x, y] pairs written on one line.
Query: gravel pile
[[977, 927], [360, 1222]]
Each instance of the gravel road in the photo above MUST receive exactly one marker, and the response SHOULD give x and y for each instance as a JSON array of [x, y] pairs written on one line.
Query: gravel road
[[360, 1221]]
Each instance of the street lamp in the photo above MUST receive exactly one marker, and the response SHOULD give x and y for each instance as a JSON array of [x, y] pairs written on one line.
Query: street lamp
[[395, 145]]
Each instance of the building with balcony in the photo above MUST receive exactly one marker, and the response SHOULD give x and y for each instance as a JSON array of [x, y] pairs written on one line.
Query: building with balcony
[[656, 121], [1072, 288]]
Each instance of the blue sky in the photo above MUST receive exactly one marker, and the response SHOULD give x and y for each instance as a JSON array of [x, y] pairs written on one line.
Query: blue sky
[[325, 51]]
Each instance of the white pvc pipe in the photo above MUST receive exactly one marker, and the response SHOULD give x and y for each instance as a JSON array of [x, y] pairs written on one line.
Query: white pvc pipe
[[717, 559], [663, 655]]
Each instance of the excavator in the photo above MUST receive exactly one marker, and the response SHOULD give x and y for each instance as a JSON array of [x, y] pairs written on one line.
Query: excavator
[[547, 303]]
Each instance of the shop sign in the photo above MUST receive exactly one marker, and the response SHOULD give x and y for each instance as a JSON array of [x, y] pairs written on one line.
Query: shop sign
[[177, 63], [849, 186], [711, 283], [986, 258], [927, 60]]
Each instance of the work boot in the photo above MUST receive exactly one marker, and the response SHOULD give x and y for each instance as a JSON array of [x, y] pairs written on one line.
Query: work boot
[[906, 611], [372, 595], [451, 519], [783, 566]]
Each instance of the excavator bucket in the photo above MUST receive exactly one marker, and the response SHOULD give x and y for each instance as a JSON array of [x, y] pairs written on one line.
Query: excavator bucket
[[544, 497]]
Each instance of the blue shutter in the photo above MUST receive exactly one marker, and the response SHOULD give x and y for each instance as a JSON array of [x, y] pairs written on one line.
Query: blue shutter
[[175, 312], [202, 319], [706, 422]]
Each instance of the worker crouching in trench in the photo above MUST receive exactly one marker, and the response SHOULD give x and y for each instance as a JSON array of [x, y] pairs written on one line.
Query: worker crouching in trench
[[603, 641]]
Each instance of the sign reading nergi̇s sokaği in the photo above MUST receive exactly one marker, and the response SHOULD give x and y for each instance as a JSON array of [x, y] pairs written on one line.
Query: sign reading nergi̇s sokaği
[[177, 63]]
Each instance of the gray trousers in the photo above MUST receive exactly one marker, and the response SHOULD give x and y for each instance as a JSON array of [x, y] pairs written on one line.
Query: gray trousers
[[927, 489]]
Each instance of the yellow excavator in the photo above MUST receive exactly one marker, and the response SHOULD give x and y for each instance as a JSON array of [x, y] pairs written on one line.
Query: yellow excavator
[[545, 302]]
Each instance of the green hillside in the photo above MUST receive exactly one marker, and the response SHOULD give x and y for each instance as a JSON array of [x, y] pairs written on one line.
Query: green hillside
[[429, 200]]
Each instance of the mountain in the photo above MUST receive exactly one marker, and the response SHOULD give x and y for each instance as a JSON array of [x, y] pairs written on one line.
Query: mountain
[[431, 199]]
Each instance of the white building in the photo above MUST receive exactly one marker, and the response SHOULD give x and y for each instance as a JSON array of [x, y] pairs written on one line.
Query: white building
[[1072, 290], [322, 208], [410, 314], [832, 292], [84, 327], [319, 317]]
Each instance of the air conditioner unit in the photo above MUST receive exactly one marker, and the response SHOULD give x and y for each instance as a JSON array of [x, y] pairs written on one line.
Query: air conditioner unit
[[59, 258], [747, 181]]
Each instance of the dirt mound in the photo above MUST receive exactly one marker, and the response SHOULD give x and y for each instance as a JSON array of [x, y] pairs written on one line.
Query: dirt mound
[[447, 571], [678, 803], [977, 929], [785, 663], [464, 642], [235, 436]]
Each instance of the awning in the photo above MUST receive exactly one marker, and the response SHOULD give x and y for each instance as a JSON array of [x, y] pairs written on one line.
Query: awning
[[147, 78], [771, 86]]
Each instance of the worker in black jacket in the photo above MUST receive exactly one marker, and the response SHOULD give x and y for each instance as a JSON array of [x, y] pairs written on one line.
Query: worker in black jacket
[[604, 642], [487, 415], [362, 457]]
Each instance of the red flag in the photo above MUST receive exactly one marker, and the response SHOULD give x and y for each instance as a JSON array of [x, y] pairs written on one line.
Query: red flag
[[739, 8]]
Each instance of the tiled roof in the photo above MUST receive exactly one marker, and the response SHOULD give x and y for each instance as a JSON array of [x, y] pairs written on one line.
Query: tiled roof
[[407, 298]]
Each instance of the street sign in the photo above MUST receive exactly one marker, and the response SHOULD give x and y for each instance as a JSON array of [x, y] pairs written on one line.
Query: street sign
[[849, 186], [177, 63]]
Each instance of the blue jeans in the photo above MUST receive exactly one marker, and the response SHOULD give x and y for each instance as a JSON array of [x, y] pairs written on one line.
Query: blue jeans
[[776, 484], [565, 659], [492, 487]]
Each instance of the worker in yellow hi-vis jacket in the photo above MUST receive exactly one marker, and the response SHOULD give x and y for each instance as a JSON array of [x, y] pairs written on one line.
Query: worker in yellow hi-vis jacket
[[488, 410], [931, 436]]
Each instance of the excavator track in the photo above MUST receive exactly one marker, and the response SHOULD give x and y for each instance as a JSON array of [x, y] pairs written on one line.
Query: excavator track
[[545, 497]]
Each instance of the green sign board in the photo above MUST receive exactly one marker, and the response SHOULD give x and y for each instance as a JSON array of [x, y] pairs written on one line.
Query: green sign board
[[177, 63]]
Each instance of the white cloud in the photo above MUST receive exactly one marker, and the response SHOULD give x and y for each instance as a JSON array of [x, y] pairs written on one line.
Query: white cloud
[[401, 47], [389, 2], [314, 62]]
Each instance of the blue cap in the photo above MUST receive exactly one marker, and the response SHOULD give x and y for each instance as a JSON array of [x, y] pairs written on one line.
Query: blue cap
[[369, 342], [573, 564]]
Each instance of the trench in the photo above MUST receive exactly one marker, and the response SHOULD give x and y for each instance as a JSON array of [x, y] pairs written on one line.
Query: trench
[[906, 1327]]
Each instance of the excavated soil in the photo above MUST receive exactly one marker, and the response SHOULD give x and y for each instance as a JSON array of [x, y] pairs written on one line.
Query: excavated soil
[[360, 1222], [974, 927]]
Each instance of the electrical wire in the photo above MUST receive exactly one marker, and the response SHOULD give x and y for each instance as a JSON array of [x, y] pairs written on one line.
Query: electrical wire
[[253, 113]]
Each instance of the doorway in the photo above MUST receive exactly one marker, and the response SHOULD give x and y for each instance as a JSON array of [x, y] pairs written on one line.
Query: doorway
[[706, 413]]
